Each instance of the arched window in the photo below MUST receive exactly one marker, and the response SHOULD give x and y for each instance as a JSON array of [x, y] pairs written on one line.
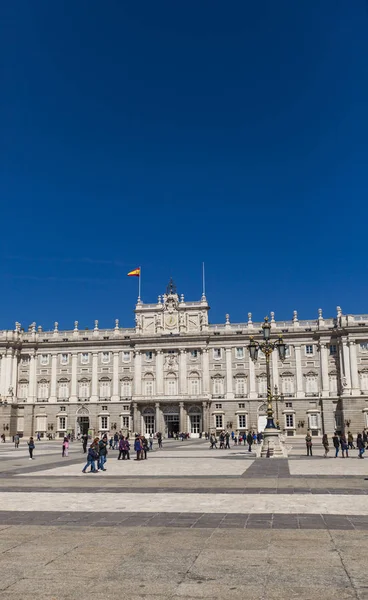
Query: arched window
[[148, 384], [194, 384]]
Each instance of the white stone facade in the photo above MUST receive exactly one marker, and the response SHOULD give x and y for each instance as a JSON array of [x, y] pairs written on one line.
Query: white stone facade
[[176, 372]]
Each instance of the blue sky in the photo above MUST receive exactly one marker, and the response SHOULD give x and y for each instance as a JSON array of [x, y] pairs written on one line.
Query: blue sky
[[164, 134]]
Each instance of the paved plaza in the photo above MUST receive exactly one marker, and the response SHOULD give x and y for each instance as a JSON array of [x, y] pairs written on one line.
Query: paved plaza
[[188, 523]]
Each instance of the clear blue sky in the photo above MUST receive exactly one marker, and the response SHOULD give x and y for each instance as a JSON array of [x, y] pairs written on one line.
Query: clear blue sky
[[164, 134]]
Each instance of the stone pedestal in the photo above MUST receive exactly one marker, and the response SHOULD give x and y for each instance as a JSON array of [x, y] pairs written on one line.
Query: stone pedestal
[[272, 446]]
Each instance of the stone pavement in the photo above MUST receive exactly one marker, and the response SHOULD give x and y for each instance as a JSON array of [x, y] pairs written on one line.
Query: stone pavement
[[259, 528]]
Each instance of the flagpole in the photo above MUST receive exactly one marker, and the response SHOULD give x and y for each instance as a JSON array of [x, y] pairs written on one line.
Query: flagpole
[[203, 282], [139, 284]]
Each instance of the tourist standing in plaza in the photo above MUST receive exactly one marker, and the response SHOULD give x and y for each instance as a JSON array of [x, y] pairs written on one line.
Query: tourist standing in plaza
[[250, 441], [144, 447], [84, 442], [159, 439], [360, 445], [309, 444], [336, 443], [16, 440], [150, 441], [91, 459], [325, 444], [65, 447], [350, 440], [138, 447], [344, 446], [227, 440], [31, 447], [102, 451]]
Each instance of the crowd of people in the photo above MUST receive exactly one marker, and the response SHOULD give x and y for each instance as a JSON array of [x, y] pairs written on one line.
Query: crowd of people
[[224, 437], [340, 441]]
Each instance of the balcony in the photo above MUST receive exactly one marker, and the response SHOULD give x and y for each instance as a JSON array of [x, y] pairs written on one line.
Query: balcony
[[42, 400], [62, 400], [262, 395], [84, 399], [125, 398], [218, 396], [104, 399], [311, 394]]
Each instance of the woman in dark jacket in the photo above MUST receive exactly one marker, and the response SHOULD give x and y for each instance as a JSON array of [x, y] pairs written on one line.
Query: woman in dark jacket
[[360, 445]]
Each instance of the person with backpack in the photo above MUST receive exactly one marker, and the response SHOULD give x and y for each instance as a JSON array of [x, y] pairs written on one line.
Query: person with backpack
[[91, 460], [336, 443], [309, 444], [31, 447]]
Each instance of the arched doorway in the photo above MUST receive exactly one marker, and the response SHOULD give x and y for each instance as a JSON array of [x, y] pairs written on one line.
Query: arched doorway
[[262, 417], [171, 419], [195, 421], [82, 421]]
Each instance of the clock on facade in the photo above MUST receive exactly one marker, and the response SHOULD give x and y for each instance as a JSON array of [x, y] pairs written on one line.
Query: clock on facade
[[171, 321]]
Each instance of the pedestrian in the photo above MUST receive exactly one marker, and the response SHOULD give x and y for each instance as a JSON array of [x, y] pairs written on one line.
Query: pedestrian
[[144, 447], [111, 441], [159, 439], [102, 452], [31, 447], [116, 440], [126, 449], [254, 437], [308, 442], [344, 446], [16, 440], [91, 459], [38, 437], [249, 439], [325, 444], [350, 441], [222, 440], [336, 443], [360, 445], [227, 440], [84, 442], [150, 441], [365, 436], [138, 447], [121, 448], [232, 435], [65, 447]]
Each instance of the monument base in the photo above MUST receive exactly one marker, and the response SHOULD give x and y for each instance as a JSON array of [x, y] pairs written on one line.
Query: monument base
[[272, 446]]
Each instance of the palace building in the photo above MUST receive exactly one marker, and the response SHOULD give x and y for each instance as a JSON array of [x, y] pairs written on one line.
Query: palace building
[[176, 372]]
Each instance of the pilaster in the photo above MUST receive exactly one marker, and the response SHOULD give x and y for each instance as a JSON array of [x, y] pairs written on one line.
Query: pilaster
[[138, 373], [182, 417], [73, 393], [229, 375], [354, 369], [275, 369], [157, 416], [346, 379], [32, 377], [159, 374], [183, 372], [206, 371], [53, 396], [324, 368], [298, 371], [115, 378], [94, 390]]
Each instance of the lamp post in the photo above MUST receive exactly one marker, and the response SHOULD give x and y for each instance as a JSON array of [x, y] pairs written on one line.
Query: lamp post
[[271, 443]]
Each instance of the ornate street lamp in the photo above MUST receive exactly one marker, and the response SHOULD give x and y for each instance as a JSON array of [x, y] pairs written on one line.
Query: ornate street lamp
[[267, 347]]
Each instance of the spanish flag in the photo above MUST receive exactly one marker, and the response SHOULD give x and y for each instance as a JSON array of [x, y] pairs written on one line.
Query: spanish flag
[[135, 273]]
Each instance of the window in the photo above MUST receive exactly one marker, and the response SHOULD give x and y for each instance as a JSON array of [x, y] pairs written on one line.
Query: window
[[149, 387], [309, 350], [363, 346], [84, 358], [126, 388], [43, 389], [219, 421], [239, 352], [313, 421], [218, 406], [149, 355], [149, 423], [338, 420], [287, 352], [64, 359], [84, 389], [194, 386], [62, 409], [125, 422], [62, 423], [241, 405], [333, 348], [103, 407], [333, 382], [171, 387], [25, 360], [105, 357], [194, 353], [262, 385], [217, 353], [126, 407], [63, 391], [44, 359], [23, 390], [104, 423], [218, 386], [41, 423], [288, 405], [126, 356], [289, 420], [288, 384], [242, 421], [240, 386], [311, 384], [195, 424], [364, 381], [105, 389]]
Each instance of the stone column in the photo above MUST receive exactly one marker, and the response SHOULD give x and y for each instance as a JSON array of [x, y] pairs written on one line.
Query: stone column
[[159, 373], [115, 378], [299, 374], [229, 375], [32, 377], [182, 417], [135, 418], [324, 368], [94, 391], [252, 380], [157, 416], [53, 394], [275, 369], [2, 374], [204, 417], [138, 373], [346, 382], [15, 375], [73, 393], [354, 368], [183, 372], [8, 370], [206, 371]]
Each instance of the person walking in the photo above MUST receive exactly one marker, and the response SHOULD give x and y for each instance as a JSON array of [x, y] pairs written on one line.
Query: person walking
[[249, 439], [84, 442], [159, 439], [144, 447], [138, 447], [126, 449], [116, 441], [31, 447], [16, 440], [65, 447], [344, 446], [351, 441], [102, 452], [309, 444], [150, 441], [121, 448], [360, 445], [91, 460], [227, 440], [325, 444], [336, 443]]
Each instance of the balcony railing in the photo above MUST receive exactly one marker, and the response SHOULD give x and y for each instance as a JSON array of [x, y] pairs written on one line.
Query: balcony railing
[[42, 400], [62, 400]]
